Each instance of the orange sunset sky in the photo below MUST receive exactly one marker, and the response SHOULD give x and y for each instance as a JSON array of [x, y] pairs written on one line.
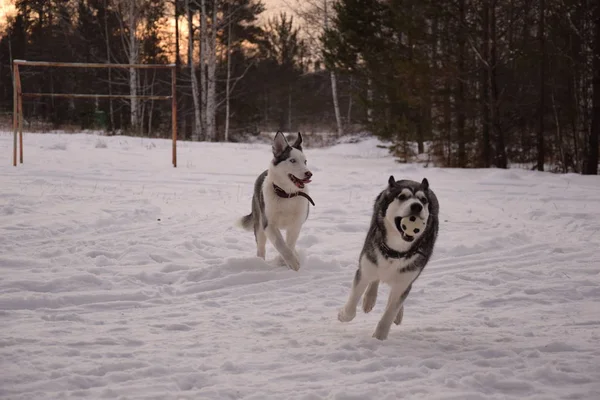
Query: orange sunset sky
[[271, 7]]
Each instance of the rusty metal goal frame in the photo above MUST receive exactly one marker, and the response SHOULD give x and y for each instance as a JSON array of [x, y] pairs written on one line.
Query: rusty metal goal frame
[[18, 95]]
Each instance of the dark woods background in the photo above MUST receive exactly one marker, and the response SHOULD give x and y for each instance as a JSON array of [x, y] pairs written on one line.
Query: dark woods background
[[464, 83]]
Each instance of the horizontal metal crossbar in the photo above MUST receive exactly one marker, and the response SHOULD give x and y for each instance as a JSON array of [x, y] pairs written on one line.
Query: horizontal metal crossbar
[[90, 65], [94, 96]]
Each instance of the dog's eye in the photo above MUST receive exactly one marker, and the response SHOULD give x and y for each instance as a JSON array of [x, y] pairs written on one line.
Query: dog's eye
[[423, 200], [305, 162], [292, 160], [402, 197]]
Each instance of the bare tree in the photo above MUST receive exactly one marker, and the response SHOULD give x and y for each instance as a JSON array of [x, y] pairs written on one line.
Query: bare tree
[[108, 60], [542, 82], [211, 77], [334, 93], [592, 156], [460, 86], [312, 12], [129, 16], [227, 82], [197, 131], [203, 50]]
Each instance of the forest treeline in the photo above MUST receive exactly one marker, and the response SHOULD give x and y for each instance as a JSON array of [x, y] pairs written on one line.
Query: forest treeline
[[465, 83]]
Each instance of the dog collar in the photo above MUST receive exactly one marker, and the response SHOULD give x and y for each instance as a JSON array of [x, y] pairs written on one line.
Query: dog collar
[[388, 252], [282, 193]]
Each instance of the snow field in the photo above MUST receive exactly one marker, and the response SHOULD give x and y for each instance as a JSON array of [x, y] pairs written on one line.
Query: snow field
[[124, 278]]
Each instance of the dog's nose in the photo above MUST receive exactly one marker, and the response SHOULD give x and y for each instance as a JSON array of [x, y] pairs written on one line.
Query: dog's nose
[[308, 174], [416, 207]]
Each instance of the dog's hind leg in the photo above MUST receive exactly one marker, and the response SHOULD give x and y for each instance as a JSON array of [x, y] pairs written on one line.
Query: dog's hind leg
[[360, 283], [370, 296], [288, 255]]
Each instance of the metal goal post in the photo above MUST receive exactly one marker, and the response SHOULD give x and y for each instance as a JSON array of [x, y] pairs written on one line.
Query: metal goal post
[[19, 94]]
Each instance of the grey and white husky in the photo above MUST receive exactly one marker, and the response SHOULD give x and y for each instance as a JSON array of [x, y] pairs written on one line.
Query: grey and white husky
[[280, 201], [390, 255]]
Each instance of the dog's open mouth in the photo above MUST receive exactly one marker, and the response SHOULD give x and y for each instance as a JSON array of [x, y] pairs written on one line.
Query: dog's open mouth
[[405, 237], [299, 182]]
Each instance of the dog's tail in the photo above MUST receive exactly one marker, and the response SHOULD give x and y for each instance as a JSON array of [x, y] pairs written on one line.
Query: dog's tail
[[246, 222]]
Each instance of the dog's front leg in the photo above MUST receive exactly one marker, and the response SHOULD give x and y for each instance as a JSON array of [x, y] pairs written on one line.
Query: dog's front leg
[[288, 255], [261, 242], [359, 285], [392, 309], [291, 237], [370, 296], [400, 314]]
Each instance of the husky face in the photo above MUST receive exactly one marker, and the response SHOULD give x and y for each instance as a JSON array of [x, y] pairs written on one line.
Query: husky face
[[289, 167], [406, 199]]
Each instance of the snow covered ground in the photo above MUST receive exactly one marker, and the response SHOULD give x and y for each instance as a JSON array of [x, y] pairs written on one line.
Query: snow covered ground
[[124, 278]]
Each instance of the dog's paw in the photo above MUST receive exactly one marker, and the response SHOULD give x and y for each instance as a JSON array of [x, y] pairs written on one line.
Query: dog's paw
[[294, 263], [399, 316], [280, 261], [369, 302], [380, 335], [345, 316], [381, 331]]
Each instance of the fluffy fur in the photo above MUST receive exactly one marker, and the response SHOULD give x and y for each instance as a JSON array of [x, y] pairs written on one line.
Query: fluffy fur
[[271, 213], [389, 255]]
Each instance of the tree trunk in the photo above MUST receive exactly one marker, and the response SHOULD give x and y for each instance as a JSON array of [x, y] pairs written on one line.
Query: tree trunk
[[486, 153], [336, 105], [447, 121], [460, 88], [151, 112], [133, 59], [349, 115], [203, 50], [541, 109], [559, 138], [227, 84], [592, 156], [501, 161], [370, 100], [334, 93], [142, 88], [289, 116], [211, 79], [197, 132], [108, 59]]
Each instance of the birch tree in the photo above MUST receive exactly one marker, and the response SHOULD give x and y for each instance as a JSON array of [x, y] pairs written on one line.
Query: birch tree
[[197, 131], [203, 50], [130, 15], [108, 60], [211, 83], [227, 82], [312, 12]]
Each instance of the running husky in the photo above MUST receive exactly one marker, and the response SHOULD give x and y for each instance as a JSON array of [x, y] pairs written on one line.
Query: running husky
[[280, 201], [390, 255]]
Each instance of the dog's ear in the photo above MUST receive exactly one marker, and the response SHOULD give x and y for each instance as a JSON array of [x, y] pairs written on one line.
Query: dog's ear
[[391, 181], [298, 143], [425, 184], [280, 143]]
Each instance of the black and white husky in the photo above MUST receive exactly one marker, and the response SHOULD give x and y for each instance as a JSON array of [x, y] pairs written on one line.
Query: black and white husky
[[390, 255], [280, 201]]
